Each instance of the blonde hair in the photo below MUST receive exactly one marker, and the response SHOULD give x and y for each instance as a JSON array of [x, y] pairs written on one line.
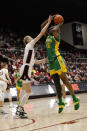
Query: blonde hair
[[26, 38]]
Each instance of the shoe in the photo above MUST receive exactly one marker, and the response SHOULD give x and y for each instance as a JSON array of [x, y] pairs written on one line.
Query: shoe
[[76, 104], [18, 110], [3, 112], [61, 107], [21, 113]]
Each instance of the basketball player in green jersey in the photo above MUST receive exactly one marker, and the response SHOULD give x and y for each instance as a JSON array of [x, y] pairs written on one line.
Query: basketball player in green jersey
[[18, 82], [57, 65]]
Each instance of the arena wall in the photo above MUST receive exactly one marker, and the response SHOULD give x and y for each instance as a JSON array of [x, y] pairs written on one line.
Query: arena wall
[[67, 35]]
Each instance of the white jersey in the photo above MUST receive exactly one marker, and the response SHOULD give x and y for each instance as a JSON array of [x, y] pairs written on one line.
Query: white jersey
[[3, 73], [29, 53], [28, 61], [3, 84]]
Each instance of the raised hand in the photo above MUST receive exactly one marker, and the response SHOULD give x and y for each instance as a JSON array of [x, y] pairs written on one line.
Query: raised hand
[[50, 19]]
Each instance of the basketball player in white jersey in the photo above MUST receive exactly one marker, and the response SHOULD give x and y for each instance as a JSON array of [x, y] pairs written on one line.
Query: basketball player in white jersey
[[1, 94], [26, 69], [4, 80]]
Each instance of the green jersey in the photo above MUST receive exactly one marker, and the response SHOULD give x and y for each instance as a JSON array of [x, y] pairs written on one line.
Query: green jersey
[[19, 81], [56, 61], [52, 45]]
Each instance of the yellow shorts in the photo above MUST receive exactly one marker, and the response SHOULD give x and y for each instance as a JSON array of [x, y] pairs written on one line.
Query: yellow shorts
[[57, 66], [18, 88]]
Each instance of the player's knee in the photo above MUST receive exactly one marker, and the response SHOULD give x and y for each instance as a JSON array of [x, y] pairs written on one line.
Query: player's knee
[[64, 79], [28, 90], [9, 95], [1, 96]]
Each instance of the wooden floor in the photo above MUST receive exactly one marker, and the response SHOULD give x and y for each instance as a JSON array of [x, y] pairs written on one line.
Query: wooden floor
[[43, 116]]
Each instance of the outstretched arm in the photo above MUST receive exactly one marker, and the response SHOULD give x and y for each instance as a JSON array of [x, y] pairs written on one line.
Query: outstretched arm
[[9, 79], [4, 80], [45, 22], [44, 29], [41, 61]]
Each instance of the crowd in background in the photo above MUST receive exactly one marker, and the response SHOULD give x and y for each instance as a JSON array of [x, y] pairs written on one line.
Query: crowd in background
[[11, 45]]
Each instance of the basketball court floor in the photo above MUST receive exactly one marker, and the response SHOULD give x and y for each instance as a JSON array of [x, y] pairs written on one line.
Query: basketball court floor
[[43, 116]]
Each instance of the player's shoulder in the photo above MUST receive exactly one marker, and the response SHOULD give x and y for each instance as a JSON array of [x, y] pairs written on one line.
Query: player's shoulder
[[49, 38], [30, 44], [5, 70]]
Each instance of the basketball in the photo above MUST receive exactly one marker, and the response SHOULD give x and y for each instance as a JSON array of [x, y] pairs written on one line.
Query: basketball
[[58, 19]]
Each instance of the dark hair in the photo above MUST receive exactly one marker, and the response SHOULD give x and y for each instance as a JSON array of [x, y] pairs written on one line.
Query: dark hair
[[53, 28]]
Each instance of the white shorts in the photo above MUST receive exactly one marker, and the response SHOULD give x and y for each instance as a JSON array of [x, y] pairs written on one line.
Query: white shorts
[[3, 85], [25, 72]]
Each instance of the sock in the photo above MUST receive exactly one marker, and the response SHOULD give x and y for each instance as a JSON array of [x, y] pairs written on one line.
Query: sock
[[24, 99], [22, 92], [60, 100], [74, 97], [17, 102]]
